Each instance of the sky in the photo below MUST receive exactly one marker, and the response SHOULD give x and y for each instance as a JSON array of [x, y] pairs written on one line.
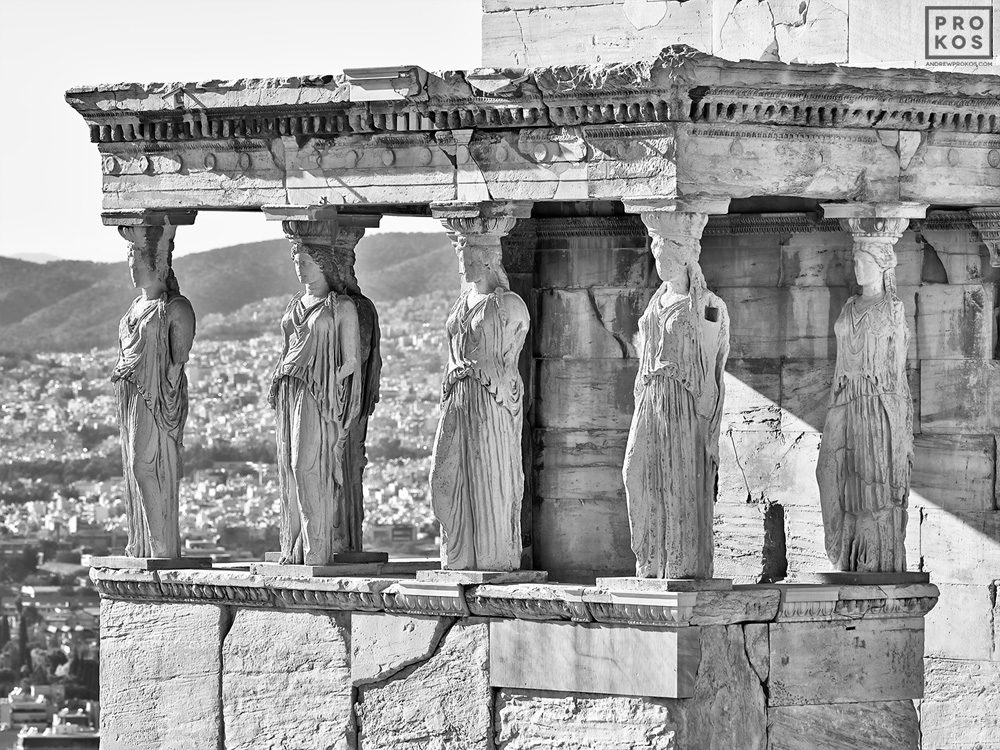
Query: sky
[[50, 172]]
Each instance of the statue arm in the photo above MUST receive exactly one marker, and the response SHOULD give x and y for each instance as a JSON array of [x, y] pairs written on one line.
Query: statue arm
[[181, 330], [347, 373], [721, 356], [516, 329]]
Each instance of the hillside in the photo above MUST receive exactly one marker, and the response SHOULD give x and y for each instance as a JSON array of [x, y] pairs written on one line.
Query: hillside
[[75, 305]]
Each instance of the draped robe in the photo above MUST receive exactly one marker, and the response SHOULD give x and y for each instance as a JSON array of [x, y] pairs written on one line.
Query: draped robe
[[152, 394], [867, 448], [314, 414], [477, 479], [671, 457]]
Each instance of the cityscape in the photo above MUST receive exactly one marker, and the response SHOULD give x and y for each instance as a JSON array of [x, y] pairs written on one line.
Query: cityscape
[[61, 482]]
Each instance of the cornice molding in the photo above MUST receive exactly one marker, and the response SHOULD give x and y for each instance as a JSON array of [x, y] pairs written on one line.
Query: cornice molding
[[530, 601], [681, 85]]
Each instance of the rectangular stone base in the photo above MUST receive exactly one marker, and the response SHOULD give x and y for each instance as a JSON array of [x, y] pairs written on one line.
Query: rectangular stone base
[[665, 584], [482, 576], [122, 562], [337, 569], [340, 557], [844, 578]]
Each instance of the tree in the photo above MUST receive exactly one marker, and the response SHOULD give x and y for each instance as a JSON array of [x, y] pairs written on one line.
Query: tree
[[23, 665], [4, 631]]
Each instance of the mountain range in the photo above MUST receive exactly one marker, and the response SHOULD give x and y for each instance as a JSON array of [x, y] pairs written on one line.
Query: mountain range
[[66, 305]]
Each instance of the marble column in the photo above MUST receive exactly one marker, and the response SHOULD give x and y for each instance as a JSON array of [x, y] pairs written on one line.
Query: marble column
[[477, 475], [329, 239], [672, 455], [866, 452], [155, 338]]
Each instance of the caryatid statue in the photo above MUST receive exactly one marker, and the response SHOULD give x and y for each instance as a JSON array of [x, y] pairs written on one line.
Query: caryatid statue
[[369, 374], [316, 391], [154, 340], [672, 454], [866, 452], [477, 479]]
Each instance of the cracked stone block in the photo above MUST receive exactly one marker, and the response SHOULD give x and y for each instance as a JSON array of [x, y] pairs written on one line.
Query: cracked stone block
[[859, 661], [383, 644], [959, 709], [882, 725], [442, 702], [160, 671], [724, 711], [286, 681], [532, 719]]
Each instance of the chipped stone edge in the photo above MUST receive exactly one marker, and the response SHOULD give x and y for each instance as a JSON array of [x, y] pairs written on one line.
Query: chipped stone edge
[[526, 601]]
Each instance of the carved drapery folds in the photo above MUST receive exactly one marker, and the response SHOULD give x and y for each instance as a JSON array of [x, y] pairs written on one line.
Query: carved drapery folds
[[155, 337], [866, 452], [672, 454], [477, 478], [323, 389]]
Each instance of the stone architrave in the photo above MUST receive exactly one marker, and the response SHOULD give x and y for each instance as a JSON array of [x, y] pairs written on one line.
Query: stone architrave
[[477, 478], [672, 454], [316, 390], [154, 340], [866, 452]]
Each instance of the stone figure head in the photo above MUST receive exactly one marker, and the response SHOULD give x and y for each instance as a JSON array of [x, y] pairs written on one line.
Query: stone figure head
[[150, 256], [676, 244], [481, 263], [313, 253], [315, 262], [875, 260]]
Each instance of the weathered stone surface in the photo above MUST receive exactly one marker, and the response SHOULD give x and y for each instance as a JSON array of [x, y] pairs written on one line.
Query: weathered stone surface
[[806, 552], [955, 321], [805, 393], [959, 709], [443, 702], [383, 644], [758, 647], [550, 36], [607, 659], [739, 605], [961, 625], [953, 472], [741, 260], [959, 397], [160, 671], [286, 681], [860, 661], [727, 710], [753, 393], [792, 162], [529, 601], [741, 533], [590, 394], [583, 539], [881, 725], [580, 464], [777, 466], [535, 719], [960, 547], [589, 323]]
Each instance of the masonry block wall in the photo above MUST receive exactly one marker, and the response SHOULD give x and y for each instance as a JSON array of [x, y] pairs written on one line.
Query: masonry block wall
[[785, 279], [784, 290]]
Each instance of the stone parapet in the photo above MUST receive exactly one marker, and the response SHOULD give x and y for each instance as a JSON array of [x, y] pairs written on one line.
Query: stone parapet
[[790, 602], [390, 662]]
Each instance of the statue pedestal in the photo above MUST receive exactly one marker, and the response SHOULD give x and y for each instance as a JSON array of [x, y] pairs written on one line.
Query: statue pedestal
[[846, 578], [351, 558], [385, 568], [122, 562], [665, 584], [472, 577]]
